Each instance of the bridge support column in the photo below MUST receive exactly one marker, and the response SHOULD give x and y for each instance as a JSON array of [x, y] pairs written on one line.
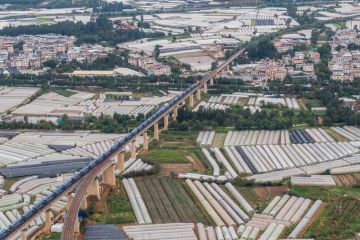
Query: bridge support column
[[68, 201], [120, 158], [77, 225], [83, 204], [156, 131], [205, 88], [132, 150], [23, 234], [228, 68], [146, 143], [47, 226], [191, 101], [109, 175], [198, 94], [166, 122], [94, 188], [211, 81], [175, 113]]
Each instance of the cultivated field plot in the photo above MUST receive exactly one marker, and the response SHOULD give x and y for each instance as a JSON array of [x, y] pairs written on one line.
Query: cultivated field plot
[[340, 219], [349, 132], [167, 201], [347, 180]]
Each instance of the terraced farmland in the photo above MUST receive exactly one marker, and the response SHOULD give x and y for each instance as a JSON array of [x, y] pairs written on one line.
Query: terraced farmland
[[167, 201]]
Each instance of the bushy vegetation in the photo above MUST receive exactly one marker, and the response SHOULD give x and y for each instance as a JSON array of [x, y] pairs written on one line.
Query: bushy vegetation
[[99, 31], [118, 207], [276, 118]]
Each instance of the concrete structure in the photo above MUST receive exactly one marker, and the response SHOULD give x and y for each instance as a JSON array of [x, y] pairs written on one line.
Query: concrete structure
[[89, 183]]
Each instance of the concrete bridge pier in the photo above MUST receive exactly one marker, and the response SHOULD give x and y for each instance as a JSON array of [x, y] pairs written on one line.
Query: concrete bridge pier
[[23, 234], [94, 188], [166, 122], [156, 131], [109, 175], [83, 204], [77, 225], [120, 159], [198, 94], [132, 150], [205, 88], [68, 201], [146, 143], [175, 114], [211, 82], [191, 101], [47, 225]]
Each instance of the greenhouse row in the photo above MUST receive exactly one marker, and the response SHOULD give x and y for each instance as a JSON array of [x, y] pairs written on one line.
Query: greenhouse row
[[313, 180], [350, 132], [136, 165], [268, 158], [176, 231], [262, 137], [137, 203], [220, 206], [25, 193], [225, 99], [205, 138], [210, 106], [292, 103], [275, 137]]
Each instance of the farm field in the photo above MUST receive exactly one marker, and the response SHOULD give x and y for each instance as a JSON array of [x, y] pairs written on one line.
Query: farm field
[[113, 208], [166, 156], [339, 219], [324, 193], [167, 201], [347, 180], [219, 140]]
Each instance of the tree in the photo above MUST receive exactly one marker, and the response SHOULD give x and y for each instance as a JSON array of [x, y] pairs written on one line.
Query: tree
[[157, 52], [325, 52], [50, 63], [353, 47], [214, 65], [263, 48]]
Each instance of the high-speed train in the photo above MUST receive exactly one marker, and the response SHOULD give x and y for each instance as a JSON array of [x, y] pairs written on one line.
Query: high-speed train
[[121, 143]]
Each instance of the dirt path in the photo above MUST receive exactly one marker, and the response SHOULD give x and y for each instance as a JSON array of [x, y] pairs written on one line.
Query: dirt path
[[197, 164], [265, 193], [167, 169]]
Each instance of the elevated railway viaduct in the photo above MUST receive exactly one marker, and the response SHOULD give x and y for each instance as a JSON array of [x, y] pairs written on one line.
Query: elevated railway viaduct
[[86, 181]]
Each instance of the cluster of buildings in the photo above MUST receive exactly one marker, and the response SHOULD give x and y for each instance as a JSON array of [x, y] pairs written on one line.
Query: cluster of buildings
[[31, 51], [149, 64], [345, 63], [301, 65], [287, 42]]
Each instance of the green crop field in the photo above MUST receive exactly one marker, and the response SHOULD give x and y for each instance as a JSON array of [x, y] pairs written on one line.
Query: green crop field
[[115, 210], [338, 220], [167, 201], [166, 156], [325, 193]]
